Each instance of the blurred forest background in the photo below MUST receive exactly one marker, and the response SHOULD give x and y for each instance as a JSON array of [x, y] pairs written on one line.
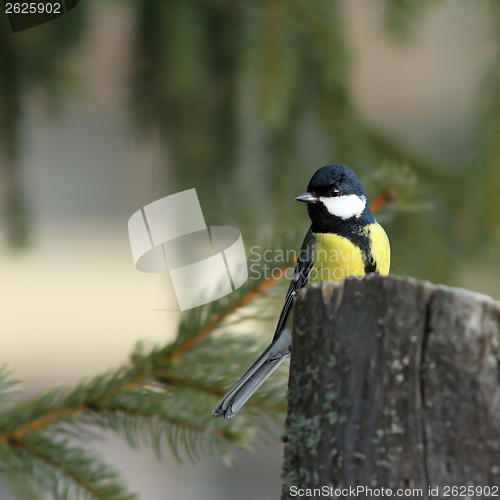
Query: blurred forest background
[[117, 104]]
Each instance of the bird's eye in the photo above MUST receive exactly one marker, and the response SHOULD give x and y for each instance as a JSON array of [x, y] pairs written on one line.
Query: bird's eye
[[335, 191]]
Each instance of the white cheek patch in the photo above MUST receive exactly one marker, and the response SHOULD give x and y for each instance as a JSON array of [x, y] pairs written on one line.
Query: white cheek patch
[[346, 206]]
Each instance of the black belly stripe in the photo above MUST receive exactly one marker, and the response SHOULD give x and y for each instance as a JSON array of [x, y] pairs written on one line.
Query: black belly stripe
[[362, 240]]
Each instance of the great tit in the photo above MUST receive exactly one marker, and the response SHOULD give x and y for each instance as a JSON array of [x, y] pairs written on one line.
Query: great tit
[[344, 240]]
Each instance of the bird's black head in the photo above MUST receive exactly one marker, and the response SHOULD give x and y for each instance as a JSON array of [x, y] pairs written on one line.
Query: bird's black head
[[336, 201]]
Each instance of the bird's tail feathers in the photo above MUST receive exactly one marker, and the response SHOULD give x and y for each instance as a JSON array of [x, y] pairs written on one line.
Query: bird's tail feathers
[[269, 360]]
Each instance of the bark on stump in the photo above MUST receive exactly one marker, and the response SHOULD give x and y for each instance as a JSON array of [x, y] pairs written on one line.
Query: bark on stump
[[394, 383]]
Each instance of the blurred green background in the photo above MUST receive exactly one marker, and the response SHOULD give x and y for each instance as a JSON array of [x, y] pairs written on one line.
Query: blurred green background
[[117, 104]]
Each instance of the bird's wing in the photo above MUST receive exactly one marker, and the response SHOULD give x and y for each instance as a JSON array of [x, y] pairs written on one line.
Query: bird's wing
[[300, 277]]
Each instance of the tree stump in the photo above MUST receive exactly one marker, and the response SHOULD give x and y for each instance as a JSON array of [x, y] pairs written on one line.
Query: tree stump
[[394, 384]]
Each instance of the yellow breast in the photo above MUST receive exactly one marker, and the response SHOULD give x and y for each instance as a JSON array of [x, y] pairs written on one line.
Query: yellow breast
[[381, 250], [336, 257]]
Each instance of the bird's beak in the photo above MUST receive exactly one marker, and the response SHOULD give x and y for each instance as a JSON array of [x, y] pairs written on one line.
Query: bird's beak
[[307, 198]]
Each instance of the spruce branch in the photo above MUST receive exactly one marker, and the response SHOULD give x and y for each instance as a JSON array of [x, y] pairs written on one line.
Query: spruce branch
[[65, 470], [58, 405], [9, 389], [395, 188]]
